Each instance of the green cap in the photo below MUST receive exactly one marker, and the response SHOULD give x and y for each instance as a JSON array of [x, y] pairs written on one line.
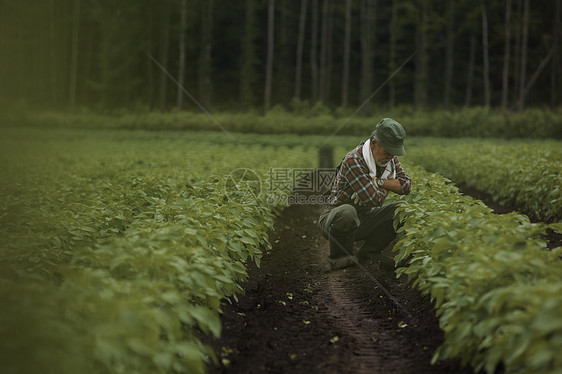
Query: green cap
[[391, 134]]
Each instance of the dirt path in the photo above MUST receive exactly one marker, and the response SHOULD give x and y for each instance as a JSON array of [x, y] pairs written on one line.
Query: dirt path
[[298, 318]]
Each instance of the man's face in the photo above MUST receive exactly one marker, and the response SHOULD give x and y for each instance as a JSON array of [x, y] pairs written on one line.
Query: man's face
[[380, 154]]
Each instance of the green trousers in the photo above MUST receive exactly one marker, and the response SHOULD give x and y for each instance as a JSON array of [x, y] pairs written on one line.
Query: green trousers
[[344, 224]]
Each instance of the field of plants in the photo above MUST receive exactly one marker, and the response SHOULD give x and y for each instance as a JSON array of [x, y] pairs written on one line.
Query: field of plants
[[525, 174], [496, 288], [119, 247]]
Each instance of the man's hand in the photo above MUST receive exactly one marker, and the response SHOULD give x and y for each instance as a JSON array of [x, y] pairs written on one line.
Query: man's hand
[[384, 189], [386, 192], [391, 185]]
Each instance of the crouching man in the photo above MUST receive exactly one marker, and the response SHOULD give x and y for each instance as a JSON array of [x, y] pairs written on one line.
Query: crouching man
[[355, 209]]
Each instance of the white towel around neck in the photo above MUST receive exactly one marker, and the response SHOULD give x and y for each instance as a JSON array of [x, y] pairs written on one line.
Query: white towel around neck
[[389, 170]]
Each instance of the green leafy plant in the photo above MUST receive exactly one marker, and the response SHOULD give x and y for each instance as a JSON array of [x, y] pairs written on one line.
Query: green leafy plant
[[526, 174], [118, 249], [496, 288]]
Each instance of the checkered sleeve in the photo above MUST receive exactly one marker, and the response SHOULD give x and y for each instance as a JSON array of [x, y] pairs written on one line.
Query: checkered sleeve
[[356, 174], [405, 181]]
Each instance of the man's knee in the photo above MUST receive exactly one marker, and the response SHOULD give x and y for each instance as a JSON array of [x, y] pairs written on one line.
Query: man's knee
[[345, 218]]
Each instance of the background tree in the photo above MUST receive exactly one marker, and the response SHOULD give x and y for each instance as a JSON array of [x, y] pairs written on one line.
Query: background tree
[[555, 70], [324, 81], [164, 47], [74, 58], [270, 49], [523, 71], [346, 54], [506, 56], [53, 48], [300, 46], [449, 56], [422, 58], [181, 48], [470, 73], [485, 56], [248, 74], [102, 54], [205, 62], [367, 48], [313, 53]]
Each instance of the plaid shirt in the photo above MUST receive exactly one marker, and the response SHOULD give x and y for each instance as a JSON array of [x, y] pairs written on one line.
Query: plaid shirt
[[353, 176]]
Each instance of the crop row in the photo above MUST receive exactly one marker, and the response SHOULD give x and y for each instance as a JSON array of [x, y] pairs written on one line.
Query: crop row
[[117, 251], [525, 174], [497, 290]]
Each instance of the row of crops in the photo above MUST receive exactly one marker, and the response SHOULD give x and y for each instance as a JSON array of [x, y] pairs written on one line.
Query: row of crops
[[525, 174], [497, 290], [118, 247]]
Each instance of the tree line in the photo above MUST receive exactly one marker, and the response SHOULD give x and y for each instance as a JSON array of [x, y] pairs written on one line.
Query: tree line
[[252, 54]]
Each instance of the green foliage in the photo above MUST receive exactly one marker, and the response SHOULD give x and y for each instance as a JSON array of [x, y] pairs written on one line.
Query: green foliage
[[497, 291], [302, 120], [526, 174], [119, 247], [319, 109], [299, 107]]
